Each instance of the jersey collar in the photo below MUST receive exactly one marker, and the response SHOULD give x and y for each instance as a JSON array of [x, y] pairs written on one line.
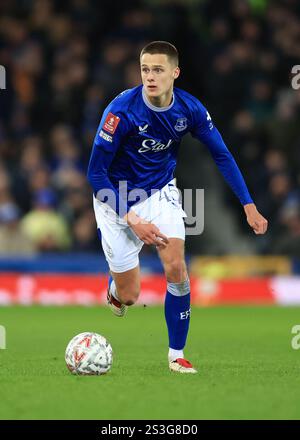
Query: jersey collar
[[153, 107]]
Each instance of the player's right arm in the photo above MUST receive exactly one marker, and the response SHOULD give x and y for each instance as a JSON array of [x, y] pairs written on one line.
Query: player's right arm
[[112, 129], [146, 231]]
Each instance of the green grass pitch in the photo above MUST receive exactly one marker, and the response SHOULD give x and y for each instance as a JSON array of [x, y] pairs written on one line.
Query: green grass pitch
[[247, 367]]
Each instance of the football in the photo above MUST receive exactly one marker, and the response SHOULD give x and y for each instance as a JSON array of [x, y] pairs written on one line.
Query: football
[[89, 354]]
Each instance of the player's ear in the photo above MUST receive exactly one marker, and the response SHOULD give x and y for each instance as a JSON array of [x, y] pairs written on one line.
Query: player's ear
[[176, 73]]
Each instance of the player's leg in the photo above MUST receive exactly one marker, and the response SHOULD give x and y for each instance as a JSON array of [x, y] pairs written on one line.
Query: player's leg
[[123, 290], [177, 303], [121, 248], [177, 300], [128, 285], [172, 257], [121, 253]]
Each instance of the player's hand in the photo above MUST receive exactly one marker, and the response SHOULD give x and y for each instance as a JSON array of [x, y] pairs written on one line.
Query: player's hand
[[146, 231], [257, 222]]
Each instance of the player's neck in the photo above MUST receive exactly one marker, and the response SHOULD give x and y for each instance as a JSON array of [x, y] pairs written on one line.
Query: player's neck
[[161, 101]]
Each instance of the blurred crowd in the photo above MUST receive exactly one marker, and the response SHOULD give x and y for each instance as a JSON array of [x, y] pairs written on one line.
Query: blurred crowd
[[66, 60]]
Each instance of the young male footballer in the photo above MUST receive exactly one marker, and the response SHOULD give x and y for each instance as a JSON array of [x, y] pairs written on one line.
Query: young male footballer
[[136, 201]]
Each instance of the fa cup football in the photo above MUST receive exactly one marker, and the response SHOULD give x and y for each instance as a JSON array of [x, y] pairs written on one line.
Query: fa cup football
[[89, 354]]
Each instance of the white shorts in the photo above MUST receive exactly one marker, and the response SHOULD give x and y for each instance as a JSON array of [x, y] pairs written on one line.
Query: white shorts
[[120, 244]]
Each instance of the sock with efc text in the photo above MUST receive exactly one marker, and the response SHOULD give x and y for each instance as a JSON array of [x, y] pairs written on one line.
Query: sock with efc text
[[177, 315]]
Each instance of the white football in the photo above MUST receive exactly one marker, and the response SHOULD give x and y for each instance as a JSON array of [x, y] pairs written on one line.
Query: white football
[[89, 354]]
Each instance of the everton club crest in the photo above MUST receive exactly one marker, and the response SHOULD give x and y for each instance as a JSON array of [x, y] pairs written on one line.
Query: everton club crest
[[181, 124]]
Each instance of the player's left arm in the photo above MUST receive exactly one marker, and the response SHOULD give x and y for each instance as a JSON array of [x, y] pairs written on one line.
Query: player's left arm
[[258, 222], [206, 132]]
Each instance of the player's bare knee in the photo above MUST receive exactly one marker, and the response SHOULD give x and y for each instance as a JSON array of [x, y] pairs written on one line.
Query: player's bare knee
[[128, 296], [129, 300], [176, 271]]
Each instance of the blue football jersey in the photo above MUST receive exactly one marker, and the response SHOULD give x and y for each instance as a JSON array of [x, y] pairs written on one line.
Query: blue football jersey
[[140, 142]]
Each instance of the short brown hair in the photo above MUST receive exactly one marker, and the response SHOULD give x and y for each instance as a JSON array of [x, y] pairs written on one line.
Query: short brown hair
[[162, 47]]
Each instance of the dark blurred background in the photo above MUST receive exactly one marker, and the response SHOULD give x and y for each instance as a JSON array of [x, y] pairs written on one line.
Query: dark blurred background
[[66, 60]]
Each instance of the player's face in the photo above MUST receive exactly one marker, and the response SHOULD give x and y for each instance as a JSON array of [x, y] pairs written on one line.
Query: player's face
[[158, 75]]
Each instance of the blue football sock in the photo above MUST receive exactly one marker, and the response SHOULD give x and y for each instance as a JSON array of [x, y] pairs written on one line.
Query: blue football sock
[[177, 313]]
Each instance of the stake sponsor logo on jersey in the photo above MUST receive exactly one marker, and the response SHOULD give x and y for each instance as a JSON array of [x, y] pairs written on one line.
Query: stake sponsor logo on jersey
[[111, 122], [153, 145]]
